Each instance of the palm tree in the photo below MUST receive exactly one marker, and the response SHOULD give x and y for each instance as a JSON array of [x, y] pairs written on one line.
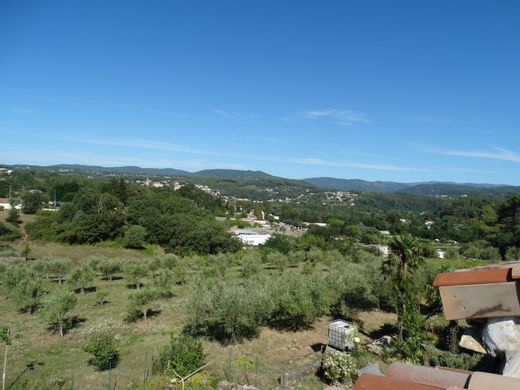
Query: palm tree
[[400, 269]]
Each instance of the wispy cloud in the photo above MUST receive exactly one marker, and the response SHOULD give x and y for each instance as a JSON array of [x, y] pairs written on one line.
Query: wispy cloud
[[497, 153], [141, 144], [337, 116], [360, 165], [230, 115]]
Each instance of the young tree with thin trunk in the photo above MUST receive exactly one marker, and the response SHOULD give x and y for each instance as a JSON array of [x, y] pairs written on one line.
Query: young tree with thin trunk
[[57, 307], [140, 302], [59, 267], [81, 277], [108, 268], [135, 272], [28, 293]]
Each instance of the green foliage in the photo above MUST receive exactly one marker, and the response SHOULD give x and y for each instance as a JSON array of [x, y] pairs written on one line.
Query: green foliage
[[299, 299], [108, 268], [357, 287], [28, 293], [400, 270], [513, 253], [181, 357], [82, 277], [139, 303], [13, 217], [279, 242], [5, 336], [338, 367], [32, 201], [101, 297], [250, 265], [9, 232], [134, 237], [227, 310], [135, 272], [102, 346], [278, 260], [58, 267], [56, 307]]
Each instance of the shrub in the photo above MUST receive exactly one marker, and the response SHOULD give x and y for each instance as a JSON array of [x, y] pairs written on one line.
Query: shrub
[[183, 356], [134, 237], [9, 232], [338, 367], [102, 346]]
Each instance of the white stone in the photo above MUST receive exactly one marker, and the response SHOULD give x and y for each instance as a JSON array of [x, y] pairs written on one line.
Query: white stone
[[502, 338]]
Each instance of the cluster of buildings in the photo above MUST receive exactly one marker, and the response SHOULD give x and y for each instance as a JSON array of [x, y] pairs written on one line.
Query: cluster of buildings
[[343, 197]]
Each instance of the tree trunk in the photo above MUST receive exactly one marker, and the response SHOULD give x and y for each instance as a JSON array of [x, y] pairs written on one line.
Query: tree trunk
[[61, 330], [400, 328], [145, 312], [82, 290], [5, 368]]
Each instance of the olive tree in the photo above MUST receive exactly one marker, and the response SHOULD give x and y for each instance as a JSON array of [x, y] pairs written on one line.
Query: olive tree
[[108, 268], [57, 306], [135, 272], [81, 277], [28, 293]]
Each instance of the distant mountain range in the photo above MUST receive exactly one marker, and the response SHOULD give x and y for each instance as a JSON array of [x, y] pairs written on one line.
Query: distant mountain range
[[324, 183], [421, 188]]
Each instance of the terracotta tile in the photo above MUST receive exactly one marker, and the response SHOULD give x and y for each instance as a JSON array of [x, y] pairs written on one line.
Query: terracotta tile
[[375, 382], [428, 375], [478, 276]]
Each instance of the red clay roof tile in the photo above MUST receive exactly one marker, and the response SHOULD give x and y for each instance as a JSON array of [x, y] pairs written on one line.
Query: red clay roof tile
[[478, 276], [376, 382], [434, 376]]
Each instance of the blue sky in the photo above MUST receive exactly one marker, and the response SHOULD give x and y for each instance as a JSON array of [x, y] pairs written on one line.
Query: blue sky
[[379, 90]]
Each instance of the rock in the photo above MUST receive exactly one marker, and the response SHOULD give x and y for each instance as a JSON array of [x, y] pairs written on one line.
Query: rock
[[225, 385], [373, 369], [471, 341], [502, 338], [378, 346]]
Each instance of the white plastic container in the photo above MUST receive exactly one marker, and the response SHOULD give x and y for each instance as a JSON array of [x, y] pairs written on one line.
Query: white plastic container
[[341, 335]]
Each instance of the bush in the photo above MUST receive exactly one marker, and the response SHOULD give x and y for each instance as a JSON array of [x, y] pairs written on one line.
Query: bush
[[135, 237], [338, 367], [102, 346], [183, 356], [9, 232]]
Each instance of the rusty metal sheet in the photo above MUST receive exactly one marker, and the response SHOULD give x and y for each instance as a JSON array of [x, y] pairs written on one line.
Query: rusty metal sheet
[[433, 376], [480, 301]]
